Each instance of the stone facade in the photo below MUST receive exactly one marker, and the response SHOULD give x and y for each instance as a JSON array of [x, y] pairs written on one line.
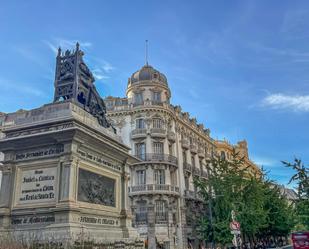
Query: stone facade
[[225, 150], [65, 171], [173, 148]]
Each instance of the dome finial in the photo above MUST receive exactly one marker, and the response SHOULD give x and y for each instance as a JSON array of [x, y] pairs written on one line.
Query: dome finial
[[146, 52]]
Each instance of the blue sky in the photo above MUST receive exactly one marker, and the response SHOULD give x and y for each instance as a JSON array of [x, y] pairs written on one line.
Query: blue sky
[[239, 67]]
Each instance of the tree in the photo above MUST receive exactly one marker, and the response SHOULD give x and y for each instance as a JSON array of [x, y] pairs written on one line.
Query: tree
[[259, 207], [302, 181]]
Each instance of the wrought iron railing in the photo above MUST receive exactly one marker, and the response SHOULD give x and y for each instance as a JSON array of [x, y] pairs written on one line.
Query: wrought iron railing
[[158, 157], [157, 131], [154, 187], [139, 131]]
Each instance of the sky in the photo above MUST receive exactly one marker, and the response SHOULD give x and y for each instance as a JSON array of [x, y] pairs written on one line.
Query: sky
[[239, 67]]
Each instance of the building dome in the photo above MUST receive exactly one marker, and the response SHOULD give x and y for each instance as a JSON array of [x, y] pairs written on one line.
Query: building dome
[[147, 73]]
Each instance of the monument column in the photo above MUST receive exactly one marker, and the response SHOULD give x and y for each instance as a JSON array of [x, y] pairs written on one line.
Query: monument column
[[68, 180], [5, 194]]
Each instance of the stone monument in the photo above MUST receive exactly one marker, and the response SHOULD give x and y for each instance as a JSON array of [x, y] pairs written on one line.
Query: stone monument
[[65, 171]]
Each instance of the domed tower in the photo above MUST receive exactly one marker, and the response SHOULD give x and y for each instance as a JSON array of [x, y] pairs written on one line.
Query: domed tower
[[148, 86]]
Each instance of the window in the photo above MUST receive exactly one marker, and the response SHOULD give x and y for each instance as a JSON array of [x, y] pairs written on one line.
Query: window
[[158, 148], [159, 176], [156, 97], [140, 123], [161, 211], [140, 177], [174, 178], [138, 98], [170, 149], [193, 161], [201, 165], [187, 182], [157, 123], [141, 213], [140, 150], [222, 156], [184, 156]]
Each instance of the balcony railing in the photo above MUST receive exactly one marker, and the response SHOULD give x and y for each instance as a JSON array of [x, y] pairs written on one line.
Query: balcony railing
[[157, 131], [161, 217], [141, 218], [139, 132], [153, 187], [187, 167], [158, 158]]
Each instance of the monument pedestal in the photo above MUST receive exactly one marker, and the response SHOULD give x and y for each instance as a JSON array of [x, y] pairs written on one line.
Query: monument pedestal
[[69, 178]]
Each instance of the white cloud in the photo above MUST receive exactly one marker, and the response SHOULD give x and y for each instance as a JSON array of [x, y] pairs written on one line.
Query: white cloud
[[298, 103], [99, 74]]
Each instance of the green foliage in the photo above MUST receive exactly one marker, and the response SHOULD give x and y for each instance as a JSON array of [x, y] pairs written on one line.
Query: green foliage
[[302, 204], [258, 205]]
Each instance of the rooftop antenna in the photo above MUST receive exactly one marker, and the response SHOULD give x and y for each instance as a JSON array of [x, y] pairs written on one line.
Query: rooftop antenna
[[146, 52]]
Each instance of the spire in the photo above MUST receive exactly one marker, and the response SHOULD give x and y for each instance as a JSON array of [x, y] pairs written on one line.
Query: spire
[[146, 52]]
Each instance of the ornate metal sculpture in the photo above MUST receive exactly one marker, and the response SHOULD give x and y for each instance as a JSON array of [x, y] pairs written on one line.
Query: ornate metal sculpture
[[74, 81]]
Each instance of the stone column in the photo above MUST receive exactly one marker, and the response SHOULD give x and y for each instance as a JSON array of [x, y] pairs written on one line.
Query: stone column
[[6, 193], [151, 226], [68, 181]]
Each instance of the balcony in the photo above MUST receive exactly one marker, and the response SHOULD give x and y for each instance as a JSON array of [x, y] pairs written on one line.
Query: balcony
[[157, 132], [187, 167], [185, 143], [171, 136], [151, 188], [152, 157], [139, 133], [193, 148]]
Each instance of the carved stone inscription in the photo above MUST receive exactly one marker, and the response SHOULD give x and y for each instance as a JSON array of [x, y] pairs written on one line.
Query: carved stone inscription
[[98, 221], [35, 219], [37, 185], [96, 189], [42, 152]]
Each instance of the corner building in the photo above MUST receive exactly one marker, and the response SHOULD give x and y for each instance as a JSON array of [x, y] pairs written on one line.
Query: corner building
[[172, 149]]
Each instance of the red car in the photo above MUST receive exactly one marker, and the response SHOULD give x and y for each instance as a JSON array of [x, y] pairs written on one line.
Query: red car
[[300, 240]]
